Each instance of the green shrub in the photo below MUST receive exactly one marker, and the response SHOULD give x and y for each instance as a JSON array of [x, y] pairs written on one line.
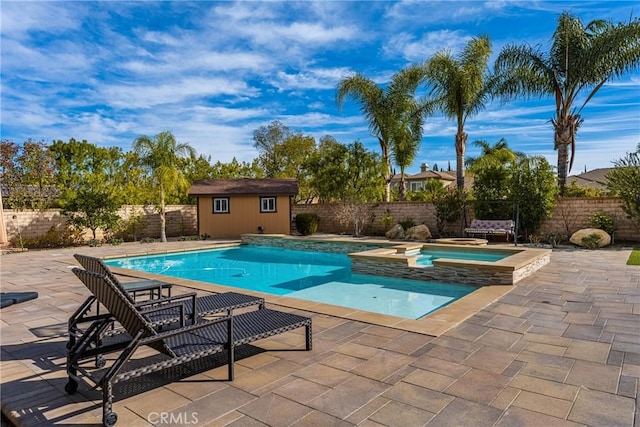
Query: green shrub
[[307, 223], [450, 206], [553, 239], [387, 220], [94, 243], [129, 228], [603, 221], [55, 237], [115, 241], [592, 241]]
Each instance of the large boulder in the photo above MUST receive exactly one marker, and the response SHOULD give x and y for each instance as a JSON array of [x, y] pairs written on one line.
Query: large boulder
[[419, 232], [576, 238], [396, 233]]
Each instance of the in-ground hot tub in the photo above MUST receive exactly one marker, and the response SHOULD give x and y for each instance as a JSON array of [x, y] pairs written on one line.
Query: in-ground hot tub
[[470, 241], [452, 264]]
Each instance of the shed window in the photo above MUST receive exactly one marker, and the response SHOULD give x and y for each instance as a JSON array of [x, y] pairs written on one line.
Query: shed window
[[267, 204], [220, 205]]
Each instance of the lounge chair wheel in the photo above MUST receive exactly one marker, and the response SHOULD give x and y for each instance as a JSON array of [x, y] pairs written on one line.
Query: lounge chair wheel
[[110, 419], [100, 362], [71, 387]]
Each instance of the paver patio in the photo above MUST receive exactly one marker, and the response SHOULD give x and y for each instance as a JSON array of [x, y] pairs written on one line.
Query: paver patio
[[561, 348]]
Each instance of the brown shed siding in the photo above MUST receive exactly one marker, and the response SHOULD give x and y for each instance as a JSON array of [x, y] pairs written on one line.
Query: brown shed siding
[[244, 216]]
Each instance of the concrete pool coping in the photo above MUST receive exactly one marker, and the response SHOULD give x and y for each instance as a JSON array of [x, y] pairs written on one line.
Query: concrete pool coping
[[433, 324]]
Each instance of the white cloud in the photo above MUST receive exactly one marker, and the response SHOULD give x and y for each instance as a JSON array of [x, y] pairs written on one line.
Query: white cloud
[[419, 48], [184, 90], [313, 78]]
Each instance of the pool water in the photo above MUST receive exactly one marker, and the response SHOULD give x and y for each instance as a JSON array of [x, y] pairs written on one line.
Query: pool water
[[314, 276], [426, 256]]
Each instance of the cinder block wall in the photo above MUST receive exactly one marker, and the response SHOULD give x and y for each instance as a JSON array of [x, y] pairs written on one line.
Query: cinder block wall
[[570, 215], [181, 221]]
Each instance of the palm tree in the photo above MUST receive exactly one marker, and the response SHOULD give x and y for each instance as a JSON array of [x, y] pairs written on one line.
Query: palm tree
[[581, 60], [459, 88], [392, 113], [160, 154], [498, 153]]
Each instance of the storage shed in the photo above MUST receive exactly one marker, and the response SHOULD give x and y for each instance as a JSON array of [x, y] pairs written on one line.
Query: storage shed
[[228, 208]]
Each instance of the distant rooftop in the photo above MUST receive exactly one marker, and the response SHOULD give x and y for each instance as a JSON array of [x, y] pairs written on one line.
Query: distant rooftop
[[596, 178]]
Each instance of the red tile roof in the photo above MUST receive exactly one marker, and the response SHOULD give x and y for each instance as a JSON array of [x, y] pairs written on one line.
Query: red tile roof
[[244, 186]]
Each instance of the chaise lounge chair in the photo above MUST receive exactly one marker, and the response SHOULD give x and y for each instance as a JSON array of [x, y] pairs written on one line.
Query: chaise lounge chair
[[176, 309], [176, 346], [153, 287]]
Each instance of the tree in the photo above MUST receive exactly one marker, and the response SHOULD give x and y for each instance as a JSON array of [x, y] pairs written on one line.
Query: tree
[[624, 180], [160, 154], [460, 88], [498, 153], [235, 169], [533, 190], [491, 179], [581, 60], [449, 206], [340, 172], [266, 139], [282, 154], [90, 180], [93, 208], [392, 113], [431, 189], [28, 171]]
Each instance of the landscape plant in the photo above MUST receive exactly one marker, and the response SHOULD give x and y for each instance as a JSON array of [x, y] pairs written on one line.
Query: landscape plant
[[91, 208], [160, 155], [533, 192], [624, 181], [282, 154], [603, 221], [387, 220], [459, 87], [390, 112], [592, 241], [450, 207], [344, 173], [307, 223], [581, 60]]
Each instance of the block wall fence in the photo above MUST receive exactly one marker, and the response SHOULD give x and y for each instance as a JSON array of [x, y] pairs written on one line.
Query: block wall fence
[[181, 221], [569, 215]]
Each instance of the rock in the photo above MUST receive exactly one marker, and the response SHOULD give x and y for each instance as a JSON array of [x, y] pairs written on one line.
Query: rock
[[419, 232], [576, 238], [396, 233]]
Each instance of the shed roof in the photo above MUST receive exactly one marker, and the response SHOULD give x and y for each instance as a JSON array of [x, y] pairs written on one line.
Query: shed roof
[[287, 186]]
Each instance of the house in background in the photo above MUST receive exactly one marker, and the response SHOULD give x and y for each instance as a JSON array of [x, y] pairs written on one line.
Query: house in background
[[228, 208], [416, 182], [596, 178]]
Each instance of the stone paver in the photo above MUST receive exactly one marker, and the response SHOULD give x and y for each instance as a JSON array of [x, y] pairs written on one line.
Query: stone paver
[[562, 348]]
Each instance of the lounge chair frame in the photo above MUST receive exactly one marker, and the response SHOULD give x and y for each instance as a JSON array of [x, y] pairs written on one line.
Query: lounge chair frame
[[192, 306], [180, 345]]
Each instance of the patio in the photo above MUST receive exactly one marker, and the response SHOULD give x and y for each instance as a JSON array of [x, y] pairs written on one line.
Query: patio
[[561, 348]]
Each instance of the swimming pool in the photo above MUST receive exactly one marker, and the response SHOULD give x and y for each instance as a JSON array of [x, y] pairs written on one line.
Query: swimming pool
[[314, 276]]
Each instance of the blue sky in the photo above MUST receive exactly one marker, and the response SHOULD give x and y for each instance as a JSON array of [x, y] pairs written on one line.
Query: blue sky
[[213, 72]]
